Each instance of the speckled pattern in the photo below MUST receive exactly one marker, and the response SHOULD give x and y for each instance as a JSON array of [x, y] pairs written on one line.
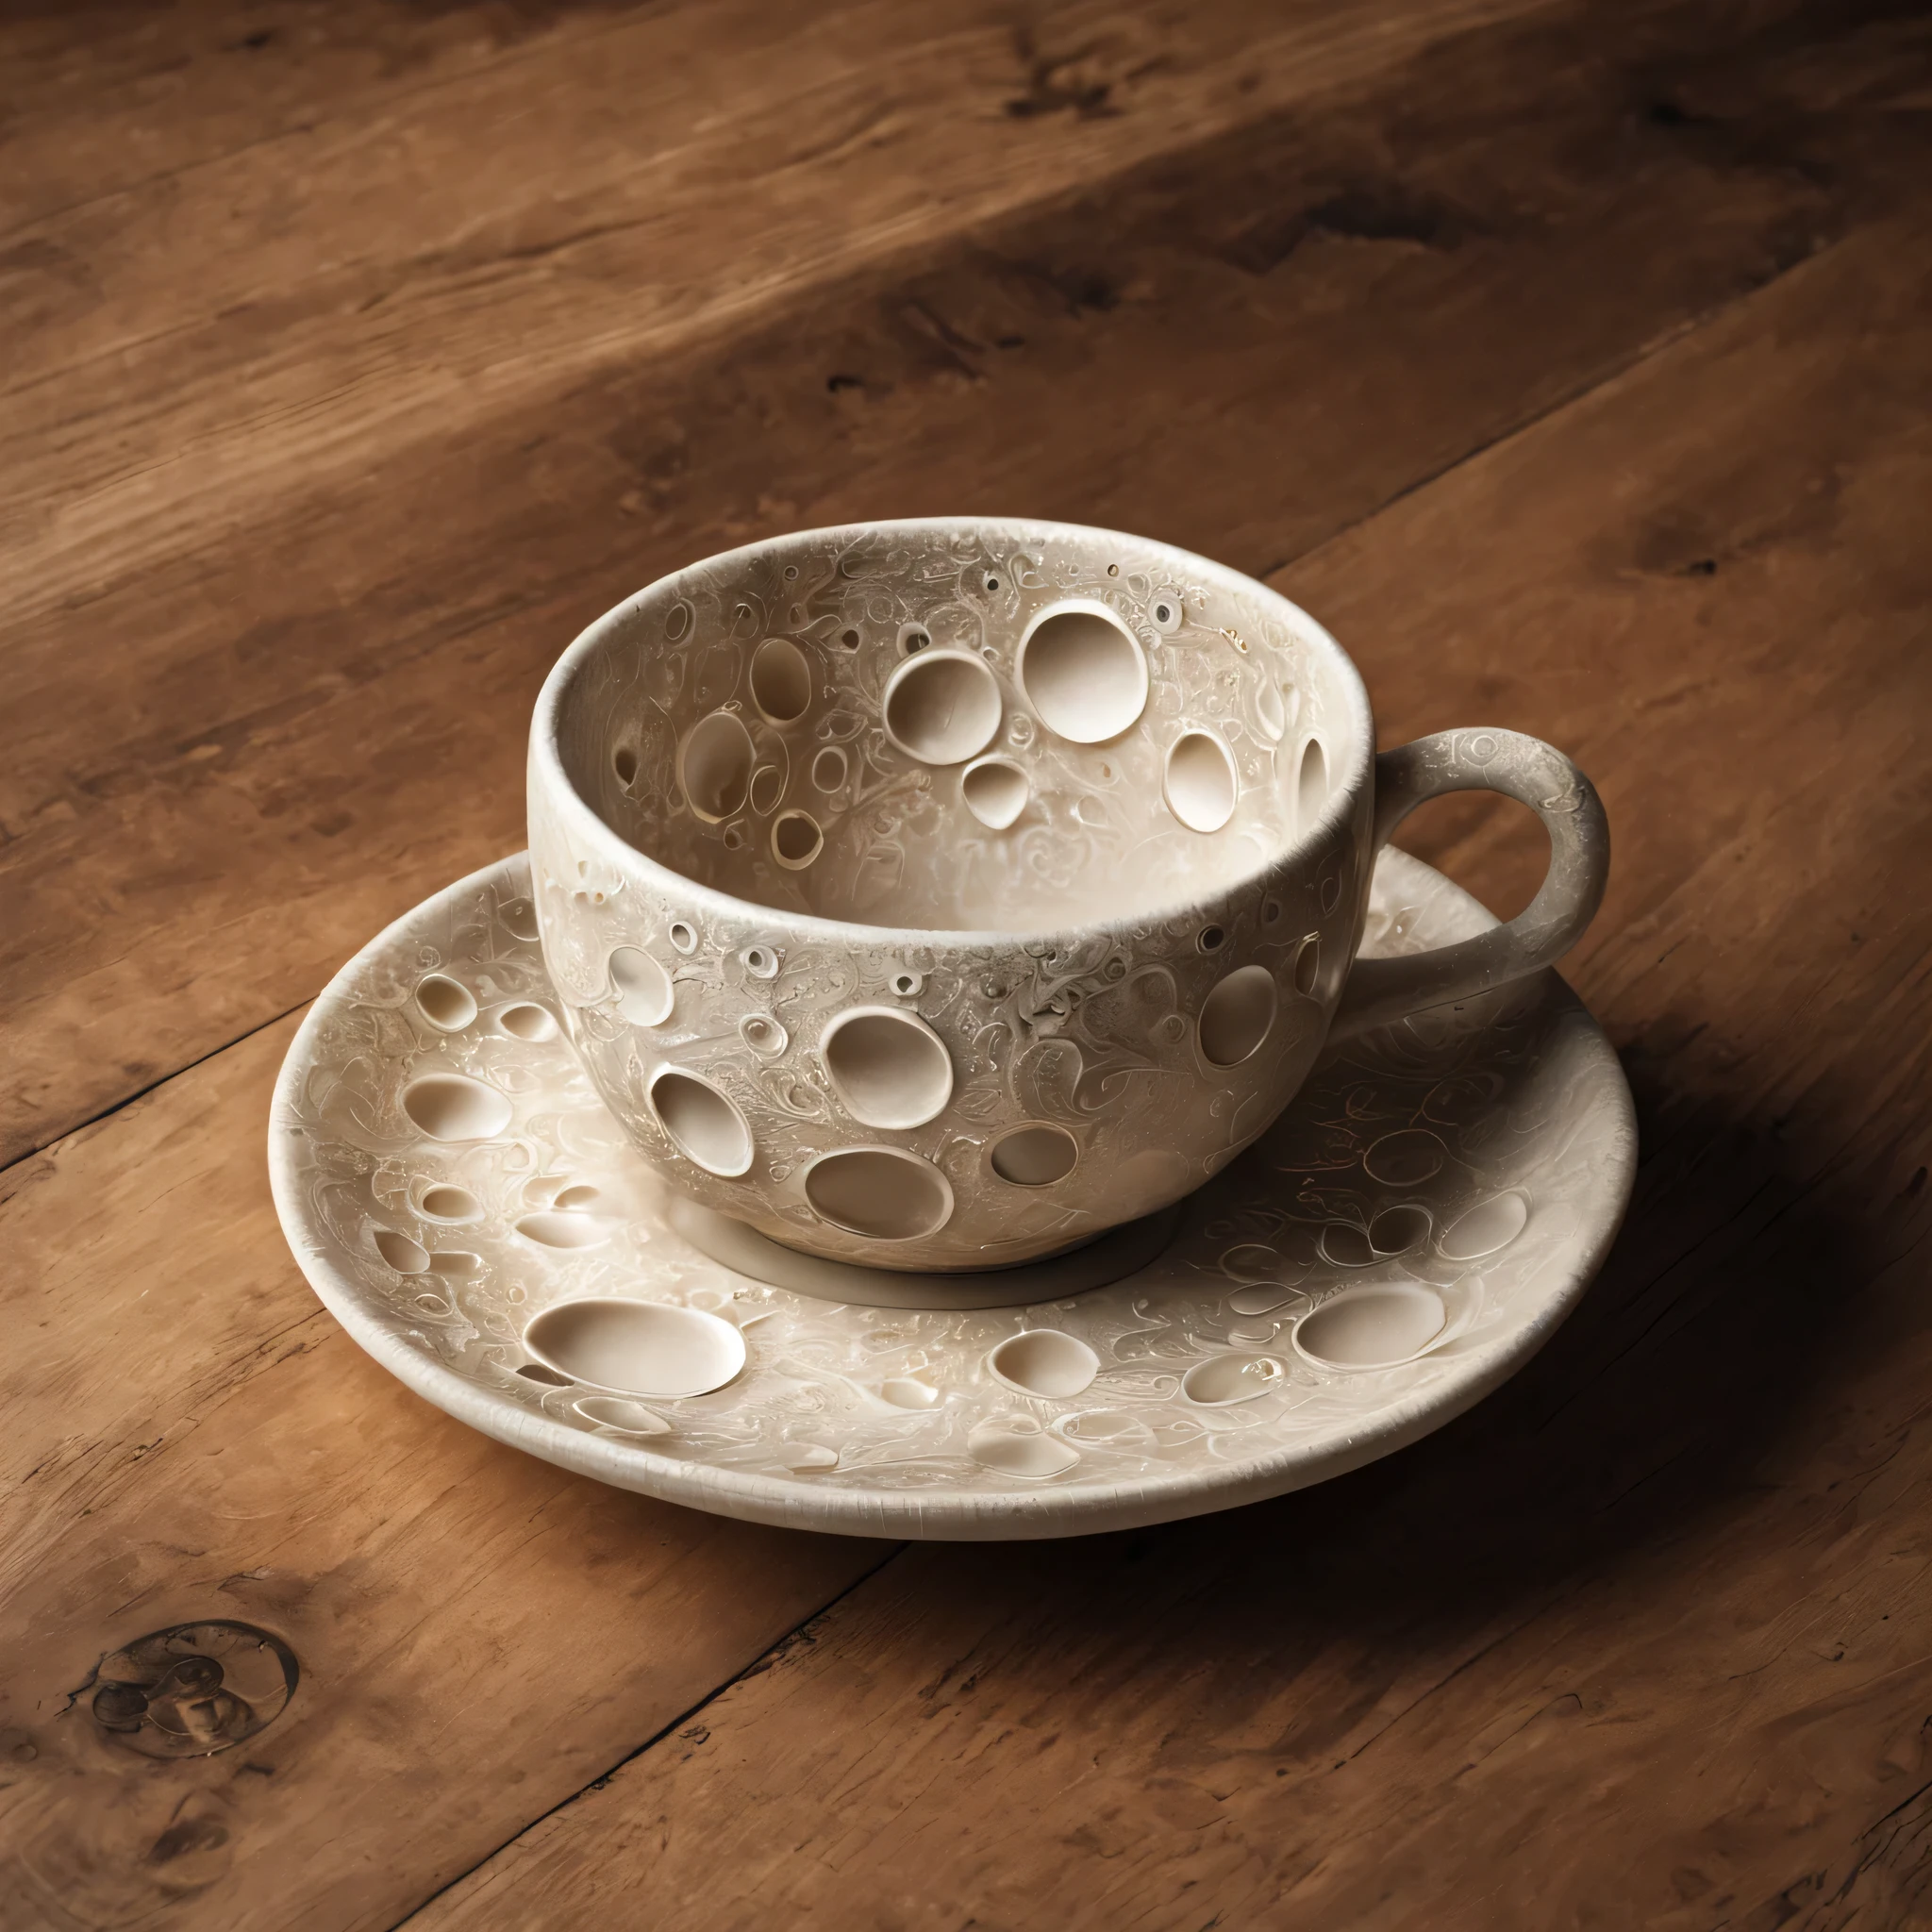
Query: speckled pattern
[[1467, 1168], [837, 992]]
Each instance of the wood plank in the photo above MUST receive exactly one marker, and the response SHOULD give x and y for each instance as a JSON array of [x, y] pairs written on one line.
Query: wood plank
[[191, 1436], [1647, 1638], [1248, 351], [301, 309]]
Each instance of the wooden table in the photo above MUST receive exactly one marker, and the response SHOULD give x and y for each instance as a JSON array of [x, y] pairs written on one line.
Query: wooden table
[[1573, 361]]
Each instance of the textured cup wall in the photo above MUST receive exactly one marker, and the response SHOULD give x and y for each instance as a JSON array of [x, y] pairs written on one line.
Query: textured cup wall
[[864, 857]]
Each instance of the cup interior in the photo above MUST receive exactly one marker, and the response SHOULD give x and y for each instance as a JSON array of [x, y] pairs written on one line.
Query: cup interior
[[959, 725]]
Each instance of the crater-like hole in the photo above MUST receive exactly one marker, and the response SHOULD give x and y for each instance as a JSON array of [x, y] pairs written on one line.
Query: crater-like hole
[[796, 839], [889, 1068], [1035, 1157], [452, 1106], [1211, 939], [996, 791], [520, 916], [643, 987], [830, 768], [1396, 1230], [1201, 785], [1083, 673], [878, 1191], [526, 1020], [578, 1198], [455, 1262], [637, 1348], [1270, 714], [1017, 1445], [1236, 1016], [404, 1256], [1308, 965], [1311, 784], [942, 707], [624, 763], [446, 1004], [780, 680], [1223, 1380], [620, 1413], [704, 1125], [1489, 1226], [682, 936], [767, 788], [564, 1230], [452, 1204], [1046, 1361], [714, 766], [1372, 1328]]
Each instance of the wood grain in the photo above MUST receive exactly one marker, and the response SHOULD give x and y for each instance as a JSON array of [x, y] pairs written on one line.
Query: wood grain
[[191, 1436], [1637, 1643], [1646, 1639], [1248, 349]]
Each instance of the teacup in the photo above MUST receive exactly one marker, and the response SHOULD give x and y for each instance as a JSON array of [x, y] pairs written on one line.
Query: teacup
[[940, 894]]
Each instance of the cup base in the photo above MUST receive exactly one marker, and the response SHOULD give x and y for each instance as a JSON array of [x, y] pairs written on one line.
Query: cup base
[[1094, 1263]]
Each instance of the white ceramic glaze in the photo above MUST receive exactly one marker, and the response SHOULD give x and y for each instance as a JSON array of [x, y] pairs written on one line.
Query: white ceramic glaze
[[1477, 1159], [940, 895]]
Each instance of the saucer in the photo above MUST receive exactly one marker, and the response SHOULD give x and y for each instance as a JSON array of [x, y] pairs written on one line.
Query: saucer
[[1405, 1236]]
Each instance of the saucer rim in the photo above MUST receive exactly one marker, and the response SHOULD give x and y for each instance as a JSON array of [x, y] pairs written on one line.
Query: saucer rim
[[976, 1515]]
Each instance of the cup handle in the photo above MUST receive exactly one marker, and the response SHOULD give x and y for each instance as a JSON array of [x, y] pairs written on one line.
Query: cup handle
[[1380, 991]]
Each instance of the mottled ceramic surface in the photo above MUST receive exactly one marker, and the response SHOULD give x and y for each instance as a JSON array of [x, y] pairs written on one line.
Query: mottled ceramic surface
[[1413, 1227], [938, 896]]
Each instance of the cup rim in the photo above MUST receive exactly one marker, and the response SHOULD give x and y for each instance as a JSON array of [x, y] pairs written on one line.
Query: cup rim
[[560, 792]]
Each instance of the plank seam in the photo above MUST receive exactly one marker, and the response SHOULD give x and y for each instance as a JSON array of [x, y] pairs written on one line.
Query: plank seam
[[763, 1661]]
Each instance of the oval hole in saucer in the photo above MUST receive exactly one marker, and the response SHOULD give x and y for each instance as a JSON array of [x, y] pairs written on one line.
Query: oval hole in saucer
[[447, 1202], [1044, 1361], [447, 1003], [564, 1230], [1223, 1380], [621, 1413], [404, 1256], [637, 1348], [525, 1020], [1017, 1445], [1486, 1227], [1378, 1325], [452, 1106]]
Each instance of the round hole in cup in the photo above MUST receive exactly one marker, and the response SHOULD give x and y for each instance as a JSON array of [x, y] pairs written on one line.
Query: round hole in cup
[[1308, 965], [703, 1122], [682, 936], [452, 1106], [796, 839], [1378, 1325], [643, 987], [624, 763], [1312, 783], [714, 766], [1200, 785], [447, 1003], [830, 768], [1046, 1362], [780, 680], [1210, 938], [1035, 1157], [995, 790], [1083, 673], [637, 1348], [1237, 1015], [1164, 614], [913, 637], [942, 707], [679, 620], [882, 1193], [761, 962], [889, 1068]]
